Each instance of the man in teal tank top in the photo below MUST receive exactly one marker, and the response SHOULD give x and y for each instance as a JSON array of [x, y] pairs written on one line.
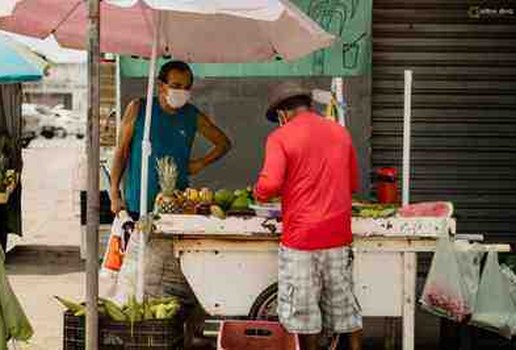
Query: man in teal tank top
[[175, 124]]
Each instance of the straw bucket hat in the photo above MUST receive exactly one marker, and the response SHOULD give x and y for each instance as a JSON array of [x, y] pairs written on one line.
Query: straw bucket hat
[[281, 92]]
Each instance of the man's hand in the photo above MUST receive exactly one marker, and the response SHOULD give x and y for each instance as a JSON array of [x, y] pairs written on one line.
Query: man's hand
[[117, 204], [195, 166]]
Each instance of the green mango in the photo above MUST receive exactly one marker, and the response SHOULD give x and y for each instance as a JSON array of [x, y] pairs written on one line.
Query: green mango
[[240, 203], [224, 198]]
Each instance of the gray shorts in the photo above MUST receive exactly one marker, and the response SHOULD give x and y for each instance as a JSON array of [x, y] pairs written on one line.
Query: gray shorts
[[315, 291]]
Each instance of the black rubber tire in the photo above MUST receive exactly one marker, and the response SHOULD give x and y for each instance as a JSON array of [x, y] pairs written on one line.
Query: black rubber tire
[[61, 133], [261, 301], [48, 134], [25, 142]]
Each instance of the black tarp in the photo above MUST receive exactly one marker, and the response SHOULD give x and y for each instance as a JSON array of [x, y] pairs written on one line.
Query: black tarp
[[10, 136]]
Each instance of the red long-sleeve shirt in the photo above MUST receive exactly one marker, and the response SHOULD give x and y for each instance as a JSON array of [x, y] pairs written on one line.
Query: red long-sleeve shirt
[[311, 163]]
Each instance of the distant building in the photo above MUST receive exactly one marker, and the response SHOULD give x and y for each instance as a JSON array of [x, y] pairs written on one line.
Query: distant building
[[66, 84]]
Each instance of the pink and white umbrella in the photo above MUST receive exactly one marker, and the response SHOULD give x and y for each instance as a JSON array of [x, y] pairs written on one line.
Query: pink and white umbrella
[[224, 31]]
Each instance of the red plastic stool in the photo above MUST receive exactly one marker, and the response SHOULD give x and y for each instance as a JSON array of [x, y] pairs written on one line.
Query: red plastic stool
[[255, 335]]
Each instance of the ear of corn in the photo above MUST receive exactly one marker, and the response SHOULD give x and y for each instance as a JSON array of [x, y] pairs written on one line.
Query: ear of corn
[[81, 312], [147, 312], [114, 311], [70, 304], [161, 312]]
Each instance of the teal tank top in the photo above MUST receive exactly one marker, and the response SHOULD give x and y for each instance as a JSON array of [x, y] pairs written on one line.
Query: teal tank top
[[170, 135]]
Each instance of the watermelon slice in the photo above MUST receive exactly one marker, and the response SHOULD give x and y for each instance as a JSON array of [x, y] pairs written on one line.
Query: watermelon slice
[[427, 209]]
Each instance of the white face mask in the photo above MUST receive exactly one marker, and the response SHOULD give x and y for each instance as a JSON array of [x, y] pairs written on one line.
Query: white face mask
[[177, 98]]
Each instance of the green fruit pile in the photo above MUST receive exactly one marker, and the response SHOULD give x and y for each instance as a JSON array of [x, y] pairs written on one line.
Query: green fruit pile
[[205, 202], [374, 211], [233, 200]]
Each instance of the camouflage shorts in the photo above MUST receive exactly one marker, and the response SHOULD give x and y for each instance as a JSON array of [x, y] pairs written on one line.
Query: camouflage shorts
[[315, 291]]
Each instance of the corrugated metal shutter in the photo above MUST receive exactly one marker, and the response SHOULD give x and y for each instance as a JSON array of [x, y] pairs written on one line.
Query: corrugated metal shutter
[[464, 105]]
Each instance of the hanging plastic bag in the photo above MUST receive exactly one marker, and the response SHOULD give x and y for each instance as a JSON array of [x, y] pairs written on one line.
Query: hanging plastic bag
[[494, 308], [511, 278], [444, 292], [121, 230], [129, 274], [468, 257]]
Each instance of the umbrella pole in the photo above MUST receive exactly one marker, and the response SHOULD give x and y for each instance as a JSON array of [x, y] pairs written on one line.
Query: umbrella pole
[[118, 113], [93, 152], [146, 152]]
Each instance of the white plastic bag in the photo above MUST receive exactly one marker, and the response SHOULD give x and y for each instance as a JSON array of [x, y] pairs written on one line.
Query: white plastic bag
[[121, 230], [445, 292], [128, 276], [132, 271], [511, 278], [468, 257], [494, 308]]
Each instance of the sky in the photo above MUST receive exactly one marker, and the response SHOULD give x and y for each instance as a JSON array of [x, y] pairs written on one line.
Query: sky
[[50, 49]]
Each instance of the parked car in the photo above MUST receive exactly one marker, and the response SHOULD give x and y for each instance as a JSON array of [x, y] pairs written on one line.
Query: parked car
[[68, 122], [52, 122], [46, 126], [30, 126]]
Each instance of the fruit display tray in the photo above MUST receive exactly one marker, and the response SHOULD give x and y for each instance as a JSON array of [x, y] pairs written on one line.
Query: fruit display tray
[[390, 227], [232, 225]]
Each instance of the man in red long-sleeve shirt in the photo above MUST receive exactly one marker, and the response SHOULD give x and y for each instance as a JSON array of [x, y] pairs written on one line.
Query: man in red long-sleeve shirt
[[310, 162]]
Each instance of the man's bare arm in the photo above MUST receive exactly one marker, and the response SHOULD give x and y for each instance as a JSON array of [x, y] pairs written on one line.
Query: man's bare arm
[[122, 153], [221, 144]]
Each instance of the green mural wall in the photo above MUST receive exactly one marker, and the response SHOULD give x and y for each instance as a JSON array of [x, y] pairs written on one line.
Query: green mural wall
[[349, 20]]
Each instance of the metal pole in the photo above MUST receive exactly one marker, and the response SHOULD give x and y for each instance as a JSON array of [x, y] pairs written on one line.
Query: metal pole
[[339, 95], [93, 150], [407, 114], [118, 102], [409, 258], [146, 152]]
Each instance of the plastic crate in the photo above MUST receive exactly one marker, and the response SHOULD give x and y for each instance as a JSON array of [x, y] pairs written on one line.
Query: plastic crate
[[255, 335], [152, 334]]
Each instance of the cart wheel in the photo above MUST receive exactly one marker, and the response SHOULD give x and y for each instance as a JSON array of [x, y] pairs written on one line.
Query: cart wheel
[[264, 307], [61, 133]]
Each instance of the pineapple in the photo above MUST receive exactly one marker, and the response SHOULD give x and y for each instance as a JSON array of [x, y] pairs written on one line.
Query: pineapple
[[168, 201]]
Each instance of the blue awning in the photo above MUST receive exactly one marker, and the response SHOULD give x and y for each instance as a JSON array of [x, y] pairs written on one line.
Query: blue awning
[[18, 63]]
